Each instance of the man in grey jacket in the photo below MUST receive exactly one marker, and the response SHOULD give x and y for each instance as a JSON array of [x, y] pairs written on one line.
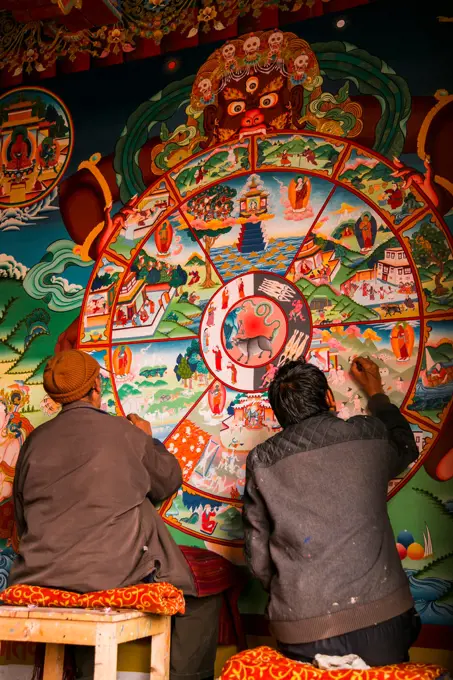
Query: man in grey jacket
[[84, 490], [317, 532]]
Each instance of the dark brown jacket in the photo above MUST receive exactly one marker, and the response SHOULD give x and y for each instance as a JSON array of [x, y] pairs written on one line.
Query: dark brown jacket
[[83, 493]]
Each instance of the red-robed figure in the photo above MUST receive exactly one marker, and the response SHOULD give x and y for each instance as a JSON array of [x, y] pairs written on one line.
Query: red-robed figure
[[19, 151]]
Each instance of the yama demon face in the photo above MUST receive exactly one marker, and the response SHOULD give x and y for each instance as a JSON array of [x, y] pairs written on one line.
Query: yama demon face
[[254, 85]]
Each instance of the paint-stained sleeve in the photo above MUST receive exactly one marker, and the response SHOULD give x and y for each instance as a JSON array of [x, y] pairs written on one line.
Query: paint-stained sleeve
[[256, 532], [164, 471], [402, 447]]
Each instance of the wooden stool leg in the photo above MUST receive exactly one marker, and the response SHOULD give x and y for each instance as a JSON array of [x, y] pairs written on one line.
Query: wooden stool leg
[[160, 652], [106, 653], [54, 662]]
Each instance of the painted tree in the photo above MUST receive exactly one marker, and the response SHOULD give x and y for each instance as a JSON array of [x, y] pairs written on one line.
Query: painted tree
[[152, 371], [104, 280], [178, 277], [193, 354], [185, 372], [39, 107], [211, 211], [202, 372], [59, 127], [429, 247]]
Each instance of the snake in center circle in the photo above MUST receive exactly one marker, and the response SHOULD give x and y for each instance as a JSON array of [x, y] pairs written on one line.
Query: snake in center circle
[[264, 309]]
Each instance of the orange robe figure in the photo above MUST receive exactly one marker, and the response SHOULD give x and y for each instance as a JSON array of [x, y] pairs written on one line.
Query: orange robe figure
[[208, 523], [299, 193], [367, 232], [225, 298], [216, 401], [218, 359], [402, 345]]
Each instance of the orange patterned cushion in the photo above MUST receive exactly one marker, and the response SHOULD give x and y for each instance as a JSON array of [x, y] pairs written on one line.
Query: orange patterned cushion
[[154, 598], [264, 663]]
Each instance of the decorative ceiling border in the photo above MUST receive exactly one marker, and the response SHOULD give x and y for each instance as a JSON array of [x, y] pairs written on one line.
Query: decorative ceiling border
[[33, 48]]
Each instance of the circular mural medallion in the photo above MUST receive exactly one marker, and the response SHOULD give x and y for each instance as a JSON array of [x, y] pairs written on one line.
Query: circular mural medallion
[[250, 327], [36, 145], [261, 331], [307, 247]]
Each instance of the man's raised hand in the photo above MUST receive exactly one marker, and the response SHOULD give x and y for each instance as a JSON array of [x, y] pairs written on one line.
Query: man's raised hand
[[366, 374], [141, 423]]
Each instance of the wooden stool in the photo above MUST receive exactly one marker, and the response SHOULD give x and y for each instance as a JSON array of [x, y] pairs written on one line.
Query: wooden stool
[[103, 630]]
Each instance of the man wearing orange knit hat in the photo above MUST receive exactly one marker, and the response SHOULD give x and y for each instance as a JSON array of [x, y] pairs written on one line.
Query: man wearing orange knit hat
[[84, 490]]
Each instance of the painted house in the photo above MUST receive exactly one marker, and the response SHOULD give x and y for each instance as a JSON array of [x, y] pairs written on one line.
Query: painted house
[[252, 204], [323, 356], [140, 307], [319, 304], [254, 411], [394, 268], [357, 279], [254, 201], [315, 264], [420, 439], [97, 309], [157, 204], [132, 296]]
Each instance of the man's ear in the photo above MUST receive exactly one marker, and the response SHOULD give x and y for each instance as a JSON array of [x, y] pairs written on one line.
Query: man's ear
[[331, 400], [97, 384]]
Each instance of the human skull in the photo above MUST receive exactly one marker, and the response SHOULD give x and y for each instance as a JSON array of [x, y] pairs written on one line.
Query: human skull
[[301, 62], [205, 87], [251, 45], [276, 41], [228, 51]]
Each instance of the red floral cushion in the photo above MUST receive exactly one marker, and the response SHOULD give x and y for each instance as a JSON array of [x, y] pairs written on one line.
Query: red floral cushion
[[264, 663], [154, 598]]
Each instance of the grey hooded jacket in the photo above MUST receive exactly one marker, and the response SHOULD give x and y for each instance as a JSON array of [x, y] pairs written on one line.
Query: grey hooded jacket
[[317, 532]]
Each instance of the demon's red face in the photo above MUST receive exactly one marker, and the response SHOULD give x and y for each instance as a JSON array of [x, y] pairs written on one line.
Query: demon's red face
[[254, 85], [253, 105]]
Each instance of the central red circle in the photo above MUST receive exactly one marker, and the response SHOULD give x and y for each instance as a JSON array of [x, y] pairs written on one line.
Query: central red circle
[[261, 331]]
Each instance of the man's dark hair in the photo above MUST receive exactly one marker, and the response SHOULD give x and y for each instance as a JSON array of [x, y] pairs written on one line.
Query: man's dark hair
[[298, 391]]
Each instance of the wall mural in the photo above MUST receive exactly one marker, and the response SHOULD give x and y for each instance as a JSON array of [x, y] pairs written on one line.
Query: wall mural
[[243, 219], [36, 144]]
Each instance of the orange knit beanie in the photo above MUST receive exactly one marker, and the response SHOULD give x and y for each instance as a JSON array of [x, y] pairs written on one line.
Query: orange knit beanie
[[69, 375]]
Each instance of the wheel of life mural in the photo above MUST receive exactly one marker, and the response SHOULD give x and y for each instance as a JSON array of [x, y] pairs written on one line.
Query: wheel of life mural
[[256, 252], [36, 139]]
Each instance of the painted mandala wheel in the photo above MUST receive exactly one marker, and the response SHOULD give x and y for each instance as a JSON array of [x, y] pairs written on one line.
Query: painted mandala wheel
[[256, 252]]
